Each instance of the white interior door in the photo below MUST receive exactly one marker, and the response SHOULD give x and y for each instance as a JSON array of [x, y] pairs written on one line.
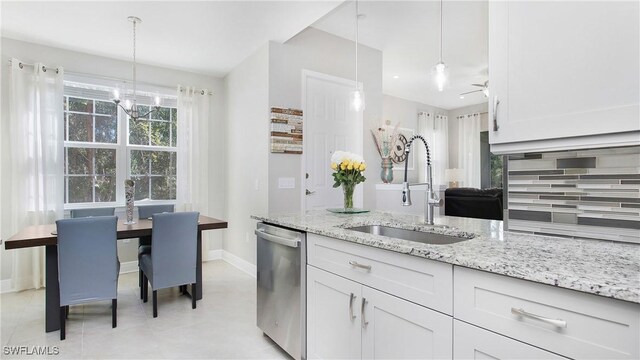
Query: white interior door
[[329, 125]]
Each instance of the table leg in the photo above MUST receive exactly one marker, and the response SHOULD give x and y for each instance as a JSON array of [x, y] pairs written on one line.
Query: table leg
[[198, 292], [52, 291]]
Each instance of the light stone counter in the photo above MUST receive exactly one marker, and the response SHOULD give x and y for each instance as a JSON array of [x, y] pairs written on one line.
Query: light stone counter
[[598, 267]]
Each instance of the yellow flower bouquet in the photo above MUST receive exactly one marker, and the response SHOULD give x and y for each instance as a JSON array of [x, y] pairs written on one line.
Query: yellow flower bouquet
[[348, 169]]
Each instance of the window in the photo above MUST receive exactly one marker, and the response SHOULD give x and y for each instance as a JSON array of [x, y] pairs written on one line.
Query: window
[[103, 147]]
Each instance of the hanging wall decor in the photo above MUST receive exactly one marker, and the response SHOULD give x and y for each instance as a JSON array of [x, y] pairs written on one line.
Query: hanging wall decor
[[286, 131]]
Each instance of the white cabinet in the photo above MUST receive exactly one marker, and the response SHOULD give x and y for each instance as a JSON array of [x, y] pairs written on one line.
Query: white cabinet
[[566, 74], [347, 320], [333, 320], [472, 342]]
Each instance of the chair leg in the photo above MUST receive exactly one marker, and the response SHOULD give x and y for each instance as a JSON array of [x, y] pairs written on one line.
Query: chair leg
[[62, 322], [155, 303], [193, 296], [145, 288], [66, 312], [114, 313], [140, 279]]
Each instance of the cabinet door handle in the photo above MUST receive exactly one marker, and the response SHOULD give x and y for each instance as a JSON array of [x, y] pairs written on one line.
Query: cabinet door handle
[[555, 322], [496, 102], [351, 299], [362, 266], [362, 318]]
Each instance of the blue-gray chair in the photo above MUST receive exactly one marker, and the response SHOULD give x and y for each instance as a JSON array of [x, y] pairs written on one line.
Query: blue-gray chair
[[87, 270], [173, 260], [80, 213], [144, 245]]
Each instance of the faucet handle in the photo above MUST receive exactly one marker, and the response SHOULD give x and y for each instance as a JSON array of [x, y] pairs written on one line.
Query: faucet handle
[[436, 201]]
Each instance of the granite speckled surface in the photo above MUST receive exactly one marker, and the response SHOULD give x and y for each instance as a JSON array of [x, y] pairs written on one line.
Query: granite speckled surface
[[603, 268]]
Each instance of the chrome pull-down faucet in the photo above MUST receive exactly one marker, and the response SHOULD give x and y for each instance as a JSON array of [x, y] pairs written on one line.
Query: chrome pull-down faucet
[[431, 200]]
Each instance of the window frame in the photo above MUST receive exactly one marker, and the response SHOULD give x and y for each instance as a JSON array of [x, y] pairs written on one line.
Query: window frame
[[123, 155]]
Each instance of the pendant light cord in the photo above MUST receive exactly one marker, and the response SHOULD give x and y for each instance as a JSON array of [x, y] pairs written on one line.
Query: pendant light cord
[[134, 63], [441, 30], [357, 30]]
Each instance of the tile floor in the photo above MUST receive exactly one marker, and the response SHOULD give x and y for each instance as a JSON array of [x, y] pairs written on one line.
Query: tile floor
[[222, 327]]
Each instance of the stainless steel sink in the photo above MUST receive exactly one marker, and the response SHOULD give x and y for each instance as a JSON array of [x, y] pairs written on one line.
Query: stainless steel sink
[[411, 235]]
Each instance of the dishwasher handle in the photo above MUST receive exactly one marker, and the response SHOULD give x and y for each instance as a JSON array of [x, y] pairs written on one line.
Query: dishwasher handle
[[294, 243]]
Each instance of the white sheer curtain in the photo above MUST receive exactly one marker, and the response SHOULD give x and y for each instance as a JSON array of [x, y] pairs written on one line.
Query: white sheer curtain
[[435, 129], [193, 153], [36, 154], [469, 153]]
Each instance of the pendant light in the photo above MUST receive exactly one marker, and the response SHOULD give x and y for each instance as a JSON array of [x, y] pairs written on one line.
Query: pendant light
[[356, 97], [131, 107], [440, 71]]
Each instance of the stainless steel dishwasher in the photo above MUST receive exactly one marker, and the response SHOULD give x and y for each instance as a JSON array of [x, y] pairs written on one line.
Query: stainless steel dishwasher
[[281, 258]]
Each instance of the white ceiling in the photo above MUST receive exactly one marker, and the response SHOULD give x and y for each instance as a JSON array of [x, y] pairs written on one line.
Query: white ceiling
[[408, 34], [209, 37]]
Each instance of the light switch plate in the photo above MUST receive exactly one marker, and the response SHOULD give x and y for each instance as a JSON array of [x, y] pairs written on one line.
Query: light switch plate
[[286, 183]]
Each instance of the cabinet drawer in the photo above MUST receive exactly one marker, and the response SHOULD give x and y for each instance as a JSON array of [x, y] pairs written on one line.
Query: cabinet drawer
[[590, 326], [472, 342], [425, 282]]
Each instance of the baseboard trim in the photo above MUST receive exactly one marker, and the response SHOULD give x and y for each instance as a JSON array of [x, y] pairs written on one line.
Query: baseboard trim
[[214, 255], [239, 263], [5, 286]]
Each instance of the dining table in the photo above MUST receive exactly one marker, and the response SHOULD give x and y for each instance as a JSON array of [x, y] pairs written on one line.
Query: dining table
[[45, 235]]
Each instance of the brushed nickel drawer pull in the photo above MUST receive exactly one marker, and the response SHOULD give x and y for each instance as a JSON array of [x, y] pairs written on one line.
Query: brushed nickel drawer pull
[[362, 318], [362, 266], [555, 322], [351, 298]]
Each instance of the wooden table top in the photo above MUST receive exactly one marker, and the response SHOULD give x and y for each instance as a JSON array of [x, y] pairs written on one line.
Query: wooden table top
[[41, 235]]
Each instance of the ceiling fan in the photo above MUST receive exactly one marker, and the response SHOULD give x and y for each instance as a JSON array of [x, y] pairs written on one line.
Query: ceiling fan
[[485, 90]]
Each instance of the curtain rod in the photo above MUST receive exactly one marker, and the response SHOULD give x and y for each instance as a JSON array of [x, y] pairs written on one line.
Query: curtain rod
[[201, 91], [44, 68]]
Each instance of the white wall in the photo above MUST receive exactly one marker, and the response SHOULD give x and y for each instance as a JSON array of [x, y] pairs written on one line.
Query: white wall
[[405, 112], [454, 127], [322, 52], [247, 89], [102, 66]]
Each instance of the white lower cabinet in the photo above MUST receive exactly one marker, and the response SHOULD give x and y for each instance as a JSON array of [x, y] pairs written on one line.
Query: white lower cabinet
[[472, 342], [347, 320]]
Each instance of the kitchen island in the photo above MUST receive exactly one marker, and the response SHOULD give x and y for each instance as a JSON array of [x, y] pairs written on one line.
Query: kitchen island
[[581, 298]]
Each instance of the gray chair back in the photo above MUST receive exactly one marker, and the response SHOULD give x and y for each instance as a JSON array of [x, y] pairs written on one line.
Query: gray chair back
[[147, 211], [175, 239], [80, 213], [87, 270]]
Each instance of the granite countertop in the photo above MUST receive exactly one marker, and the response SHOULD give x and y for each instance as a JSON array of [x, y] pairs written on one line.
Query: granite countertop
[[603, 268]]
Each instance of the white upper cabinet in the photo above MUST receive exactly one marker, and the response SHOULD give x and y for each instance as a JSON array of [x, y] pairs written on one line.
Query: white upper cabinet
[[563, 74]]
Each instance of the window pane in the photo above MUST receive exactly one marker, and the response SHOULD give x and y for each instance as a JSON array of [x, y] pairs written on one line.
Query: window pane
[[143, 109], [160, 133], [163, 163], [105, 188], [66, 138], [139, 162], [80, 161], [80, 127], [163, 188], [174, 135], [106, 129], [107, 108], [163, 114], [80, 189], [105, 161], [141, 187], [82, 105], [138, 132]]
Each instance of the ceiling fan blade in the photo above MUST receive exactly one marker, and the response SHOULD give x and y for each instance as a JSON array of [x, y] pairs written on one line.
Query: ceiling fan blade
[[470, 92]]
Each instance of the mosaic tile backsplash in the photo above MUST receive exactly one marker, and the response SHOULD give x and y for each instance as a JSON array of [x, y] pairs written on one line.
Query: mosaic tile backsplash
[[585, 193]]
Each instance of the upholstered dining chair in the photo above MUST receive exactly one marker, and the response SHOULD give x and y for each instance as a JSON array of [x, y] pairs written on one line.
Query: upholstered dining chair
[[87, 270], [173, 259], [80, 213], [144, 245]]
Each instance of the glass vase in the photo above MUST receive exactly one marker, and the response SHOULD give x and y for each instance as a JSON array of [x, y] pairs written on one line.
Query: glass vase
[[348, 195], [386, 175], [129, 191]]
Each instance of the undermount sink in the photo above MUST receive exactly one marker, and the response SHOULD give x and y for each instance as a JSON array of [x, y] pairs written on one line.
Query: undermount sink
[[411, 235]]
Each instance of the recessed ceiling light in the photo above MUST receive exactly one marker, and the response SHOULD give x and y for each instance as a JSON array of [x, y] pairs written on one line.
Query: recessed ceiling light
[[461, 96], [396, 76]]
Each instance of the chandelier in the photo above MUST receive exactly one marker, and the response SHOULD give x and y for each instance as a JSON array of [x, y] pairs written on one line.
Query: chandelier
[[131, 107]]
